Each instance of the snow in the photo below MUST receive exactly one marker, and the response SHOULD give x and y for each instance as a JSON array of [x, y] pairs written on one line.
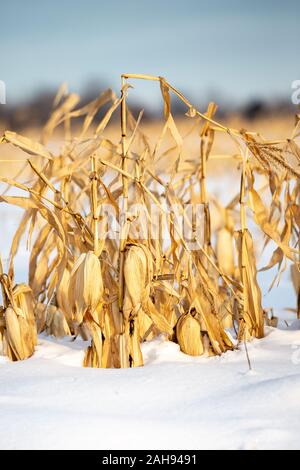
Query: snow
[[174, 402]]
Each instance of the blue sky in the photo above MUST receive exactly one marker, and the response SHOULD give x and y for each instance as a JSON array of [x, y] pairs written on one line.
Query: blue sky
[[233, 48]]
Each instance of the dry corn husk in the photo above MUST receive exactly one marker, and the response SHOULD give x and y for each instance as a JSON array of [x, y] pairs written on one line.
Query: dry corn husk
[[225, 251], [24, 300], [137, 277], [112, 319], [226, 319], [111, 351], [111, 329], [135, 353], [253, 314], [138, 273], [226, 311], [40, 314], [93, 354], [85, 286], [205, 299], [62, 295], [107, 359], [56, 324], [104, 350], [166, 301], [20, 337], [188, 334], [18, 332], [146, 326]]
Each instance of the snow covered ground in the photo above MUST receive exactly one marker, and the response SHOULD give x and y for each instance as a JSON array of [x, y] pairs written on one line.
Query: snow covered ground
[[174, 402]]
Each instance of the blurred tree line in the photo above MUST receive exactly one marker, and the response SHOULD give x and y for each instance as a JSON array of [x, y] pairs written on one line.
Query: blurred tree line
[[35, 111]]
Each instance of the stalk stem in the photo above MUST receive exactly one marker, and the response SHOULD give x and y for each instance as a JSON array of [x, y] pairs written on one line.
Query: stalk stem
[[94, 203], [124, 359], [243, 242]]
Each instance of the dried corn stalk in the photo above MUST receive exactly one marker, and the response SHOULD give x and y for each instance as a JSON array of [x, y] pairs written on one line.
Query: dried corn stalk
[[118, 291]]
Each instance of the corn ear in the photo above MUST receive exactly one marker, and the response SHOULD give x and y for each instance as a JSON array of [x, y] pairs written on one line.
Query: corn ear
[[188, 334], [85, 286]]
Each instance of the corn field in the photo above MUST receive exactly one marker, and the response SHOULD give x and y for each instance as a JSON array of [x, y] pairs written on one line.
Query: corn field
[[109, 260]]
